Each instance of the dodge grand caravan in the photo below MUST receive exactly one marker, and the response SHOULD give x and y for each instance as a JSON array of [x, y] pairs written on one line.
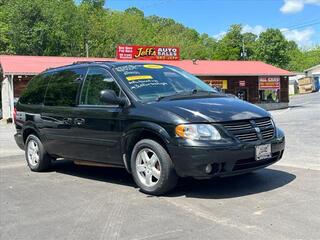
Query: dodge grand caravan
[[157, 121]]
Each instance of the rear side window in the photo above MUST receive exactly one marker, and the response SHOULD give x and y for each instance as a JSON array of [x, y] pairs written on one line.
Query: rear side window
[[35, 91], [63, 87], [96, 81]]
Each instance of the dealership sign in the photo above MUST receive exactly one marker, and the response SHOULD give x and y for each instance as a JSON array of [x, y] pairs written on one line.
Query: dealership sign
[[269, 83], [125, 52]]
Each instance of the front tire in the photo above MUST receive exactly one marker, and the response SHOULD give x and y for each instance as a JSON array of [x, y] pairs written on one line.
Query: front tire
[[37, 158], [152, 168]]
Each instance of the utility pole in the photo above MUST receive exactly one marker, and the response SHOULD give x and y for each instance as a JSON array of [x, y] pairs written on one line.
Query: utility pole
[[87, 49], [243, 52]]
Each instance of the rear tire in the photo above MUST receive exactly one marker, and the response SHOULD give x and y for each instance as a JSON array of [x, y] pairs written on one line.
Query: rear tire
[[37, 158], [152, 168]]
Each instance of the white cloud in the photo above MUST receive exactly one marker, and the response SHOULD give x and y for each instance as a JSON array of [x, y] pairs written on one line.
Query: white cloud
[[220, 35], [255, 29], [301, 37], [246, 28], [294, 6]]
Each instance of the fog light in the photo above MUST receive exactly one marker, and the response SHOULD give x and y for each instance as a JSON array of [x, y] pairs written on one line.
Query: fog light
[[208, 169]]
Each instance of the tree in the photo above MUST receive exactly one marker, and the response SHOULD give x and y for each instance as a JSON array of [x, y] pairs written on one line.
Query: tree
[[134, 11], [6, 45], [272, 48], [39, 27], [97, 4], [230, 46], [302, 60], [249, 44], [63, 28]]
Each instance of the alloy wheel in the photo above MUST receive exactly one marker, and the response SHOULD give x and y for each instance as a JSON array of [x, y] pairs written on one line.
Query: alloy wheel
[[148, 167], [33, 153]]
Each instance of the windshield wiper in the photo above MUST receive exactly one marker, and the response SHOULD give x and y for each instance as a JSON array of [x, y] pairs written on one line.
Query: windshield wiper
[[162, 97], [196, 91], [184, 94], [169, 96]]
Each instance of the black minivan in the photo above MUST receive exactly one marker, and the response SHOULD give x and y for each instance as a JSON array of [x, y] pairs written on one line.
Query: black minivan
[[157, 121]]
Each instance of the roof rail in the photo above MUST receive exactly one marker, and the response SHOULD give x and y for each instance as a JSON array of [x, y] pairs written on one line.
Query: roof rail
[[79, 62], [82, 62]]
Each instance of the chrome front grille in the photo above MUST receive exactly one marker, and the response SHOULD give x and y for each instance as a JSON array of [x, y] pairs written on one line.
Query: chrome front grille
[[242, 130], [267, 134], [266, 128], [263, 122], [251, 130]]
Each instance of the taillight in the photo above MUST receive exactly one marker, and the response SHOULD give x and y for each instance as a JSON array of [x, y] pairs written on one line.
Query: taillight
[[14, 114]]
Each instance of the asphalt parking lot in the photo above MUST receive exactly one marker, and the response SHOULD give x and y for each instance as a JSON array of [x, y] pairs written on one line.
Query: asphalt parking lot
[[77, 202]]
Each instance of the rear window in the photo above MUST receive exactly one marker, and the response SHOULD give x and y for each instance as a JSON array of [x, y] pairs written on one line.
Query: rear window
[[63, 87], [35, 91]]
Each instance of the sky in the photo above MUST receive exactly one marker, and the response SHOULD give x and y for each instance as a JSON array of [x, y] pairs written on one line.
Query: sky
[[299, 20]]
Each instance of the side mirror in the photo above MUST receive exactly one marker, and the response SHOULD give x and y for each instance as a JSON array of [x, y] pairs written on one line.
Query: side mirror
[[110, 97]]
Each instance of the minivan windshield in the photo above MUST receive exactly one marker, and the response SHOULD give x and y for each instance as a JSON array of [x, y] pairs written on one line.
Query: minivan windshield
[[150, 82]]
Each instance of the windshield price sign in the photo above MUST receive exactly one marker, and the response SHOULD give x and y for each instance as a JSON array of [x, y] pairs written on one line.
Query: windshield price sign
[[125, 52]]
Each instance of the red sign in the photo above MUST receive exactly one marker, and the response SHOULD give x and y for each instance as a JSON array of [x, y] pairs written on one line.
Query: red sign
[[242, 83], [147, 53], [269, 83]]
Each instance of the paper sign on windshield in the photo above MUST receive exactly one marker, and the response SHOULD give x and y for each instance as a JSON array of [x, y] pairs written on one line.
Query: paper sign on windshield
[[141, 77]]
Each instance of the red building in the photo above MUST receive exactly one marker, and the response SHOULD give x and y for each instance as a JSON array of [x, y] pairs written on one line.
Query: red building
[[253, 81]]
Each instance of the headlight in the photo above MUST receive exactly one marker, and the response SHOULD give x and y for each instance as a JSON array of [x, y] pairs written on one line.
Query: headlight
[[198, 132]]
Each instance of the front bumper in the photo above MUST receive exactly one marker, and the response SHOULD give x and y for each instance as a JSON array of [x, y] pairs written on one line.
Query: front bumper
[[226, 160]]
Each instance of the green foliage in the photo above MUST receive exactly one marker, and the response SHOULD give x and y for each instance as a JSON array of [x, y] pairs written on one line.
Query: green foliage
[[272, 48], [134, 11], [301, 60], [97, 4], [230, 45], [63, 28], [38, 27], [249, 43]]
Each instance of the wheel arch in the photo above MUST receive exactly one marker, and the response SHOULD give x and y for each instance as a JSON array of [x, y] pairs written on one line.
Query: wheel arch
[[137, 132], [29, 129]]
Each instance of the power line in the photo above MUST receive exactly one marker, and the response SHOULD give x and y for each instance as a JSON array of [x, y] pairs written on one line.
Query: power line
[[301, 26], [303, 22]]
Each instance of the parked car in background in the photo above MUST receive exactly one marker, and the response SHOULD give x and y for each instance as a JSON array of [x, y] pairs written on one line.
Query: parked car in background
[[157, 121]]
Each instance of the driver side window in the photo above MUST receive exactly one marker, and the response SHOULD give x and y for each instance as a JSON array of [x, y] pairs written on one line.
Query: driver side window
[[96, 81]]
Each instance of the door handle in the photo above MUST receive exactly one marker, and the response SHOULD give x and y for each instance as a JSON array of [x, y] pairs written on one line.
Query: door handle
[[79, 121]]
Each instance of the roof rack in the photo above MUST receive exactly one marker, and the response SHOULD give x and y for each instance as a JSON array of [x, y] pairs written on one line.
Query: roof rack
[[82, 62], [77, 62]]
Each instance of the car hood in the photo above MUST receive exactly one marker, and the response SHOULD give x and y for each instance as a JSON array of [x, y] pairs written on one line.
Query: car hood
[[212, 109]]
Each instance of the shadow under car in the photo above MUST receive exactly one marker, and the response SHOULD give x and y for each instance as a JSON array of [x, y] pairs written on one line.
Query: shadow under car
[[263, 180]]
